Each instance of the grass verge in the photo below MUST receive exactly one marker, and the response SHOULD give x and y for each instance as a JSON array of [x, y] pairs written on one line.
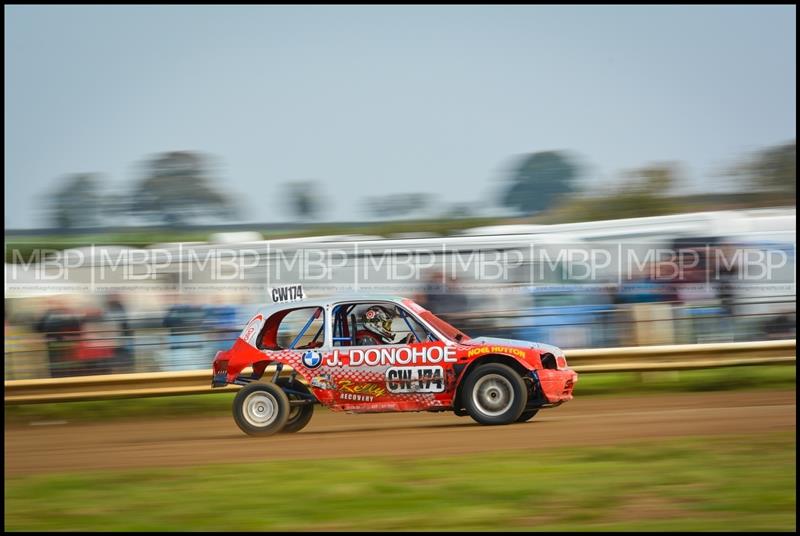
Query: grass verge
[[613, 384], [717, 483]]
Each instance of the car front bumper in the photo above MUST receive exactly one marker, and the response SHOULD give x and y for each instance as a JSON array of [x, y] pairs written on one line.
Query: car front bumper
[[557, 385]]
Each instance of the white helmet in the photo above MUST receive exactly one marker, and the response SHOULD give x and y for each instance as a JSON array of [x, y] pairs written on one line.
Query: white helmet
[[378, 320]]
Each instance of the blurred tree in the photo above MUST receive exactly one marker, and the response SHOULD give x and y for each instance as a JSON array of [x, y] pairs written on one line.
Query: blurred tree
[[538, 180], [390, 206], [458, 211], [645, 191], [773, 169], [653, 180], [304, 199], [114, 204], [177, 187], [78, 202]]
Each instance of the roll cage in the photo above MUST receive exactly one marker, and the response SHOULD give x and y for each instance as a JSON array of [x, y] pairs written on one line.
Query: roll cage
[[344, 326]]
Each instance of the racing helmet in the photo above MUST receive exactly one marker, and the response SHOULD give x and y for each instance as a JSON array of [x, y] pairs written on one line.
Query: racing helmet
[[378, 320]]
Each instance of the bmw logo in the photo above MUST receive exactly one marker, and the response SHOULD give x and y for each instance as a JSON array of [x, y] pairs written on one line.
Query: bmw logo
[[312, 359]]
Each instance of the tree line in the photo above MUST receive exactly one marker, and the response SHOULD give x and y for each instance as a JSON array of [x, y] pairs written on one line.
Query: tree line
[[180, 187]]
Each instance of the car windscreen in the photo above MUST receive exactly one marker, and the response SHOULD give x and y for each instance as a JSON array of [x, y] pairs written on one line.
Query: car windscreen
[[440, 325]]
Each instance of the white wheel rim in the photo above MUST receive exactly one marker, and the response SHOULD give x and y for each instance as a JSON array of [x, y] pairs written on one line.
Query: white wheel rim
[[260, 409], [493, 395]]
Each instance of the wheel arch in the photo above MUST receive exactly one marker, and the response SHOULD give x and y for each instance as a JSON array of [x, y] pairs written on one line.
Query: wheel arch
[[521, 368], [259, 367]]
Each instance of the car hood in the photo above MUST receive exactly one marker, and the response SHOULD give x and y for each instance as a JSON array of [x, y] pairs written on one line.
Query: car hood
[[541, 347]]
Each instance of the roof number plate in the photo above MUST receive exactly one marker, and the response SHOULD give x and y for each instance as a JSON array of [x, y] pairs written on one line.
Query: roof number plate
[[287, 293]]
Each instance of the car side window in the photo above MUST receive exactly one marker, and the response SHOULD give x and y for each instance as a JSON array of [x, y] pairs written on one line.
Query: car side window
[[413, 327], [301, 329], [376, 323]]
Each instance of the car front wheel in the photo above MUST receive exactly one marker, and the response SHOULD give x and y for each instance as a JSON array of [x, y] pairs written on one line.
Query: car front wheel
[[527, 415], [494, 394]]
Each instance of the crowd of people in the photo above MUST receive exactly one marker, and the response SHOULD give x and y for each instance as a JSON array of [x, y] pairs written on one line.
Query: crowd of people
[[65, 337], [62, 336]]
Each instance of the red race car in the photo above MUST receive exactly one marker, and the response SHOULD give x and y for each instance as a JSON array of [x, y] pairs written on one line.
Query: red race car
[[381, 354]]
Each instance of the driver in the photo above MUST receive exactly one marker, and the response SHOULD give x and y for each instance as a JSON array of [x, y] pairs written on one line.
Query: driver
[[377, 322]]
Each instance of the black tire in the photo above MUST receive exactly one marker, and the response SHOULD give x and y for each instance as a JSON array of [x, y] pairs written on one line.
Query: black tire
[[494, 394], [527, 415], [261, 409], [298, 415]]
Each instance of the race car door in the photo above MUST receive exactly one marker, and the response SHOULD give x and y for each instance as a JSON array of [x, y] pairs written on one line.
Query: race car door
[[383, 359]]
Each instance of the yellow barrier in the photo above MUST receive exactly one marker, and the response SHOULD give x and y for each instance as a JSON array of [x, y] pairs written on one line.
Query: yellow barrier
[[682, 356], [634, 359]]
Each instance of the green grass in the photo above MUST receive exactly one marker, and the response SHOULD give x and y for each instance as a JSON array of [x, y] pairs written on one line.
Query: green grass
[[700, 380], [720, 483], [133, 408], [610, 384]]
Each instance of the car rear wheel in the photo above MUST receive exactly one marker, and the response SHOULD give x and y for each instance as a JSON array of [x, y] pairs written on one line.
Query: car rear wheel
[[299, 416], [494, 394], [527, 415], [261, 409]]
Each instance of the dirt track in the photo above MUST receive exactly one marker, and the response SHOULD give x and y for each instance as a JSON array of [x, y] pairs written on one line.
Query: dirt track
[[584, 421]]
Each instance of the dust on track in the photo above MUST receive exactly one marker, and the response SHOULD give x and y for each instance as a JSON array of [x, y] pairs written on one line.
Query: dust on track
[[170, 442]]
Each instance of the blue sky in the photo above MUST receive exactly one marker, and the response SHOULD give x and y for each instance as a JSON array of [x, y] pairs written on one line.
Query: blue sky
[[387, 99]]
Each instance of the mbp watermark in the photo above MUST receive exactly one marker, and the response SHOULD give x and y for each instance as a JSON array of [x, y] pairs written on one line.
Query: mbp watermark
[[131, 265], [571, 263], [217, 264], [42, 264], [475, 265]]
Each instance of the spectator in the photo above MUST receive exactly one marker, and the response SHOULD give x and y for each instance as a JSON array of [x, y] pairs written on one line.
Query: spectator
[[443, 299], [95, 352], [222, 325], [122, 342], [782, 326], [185, 350], [61, 327]]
